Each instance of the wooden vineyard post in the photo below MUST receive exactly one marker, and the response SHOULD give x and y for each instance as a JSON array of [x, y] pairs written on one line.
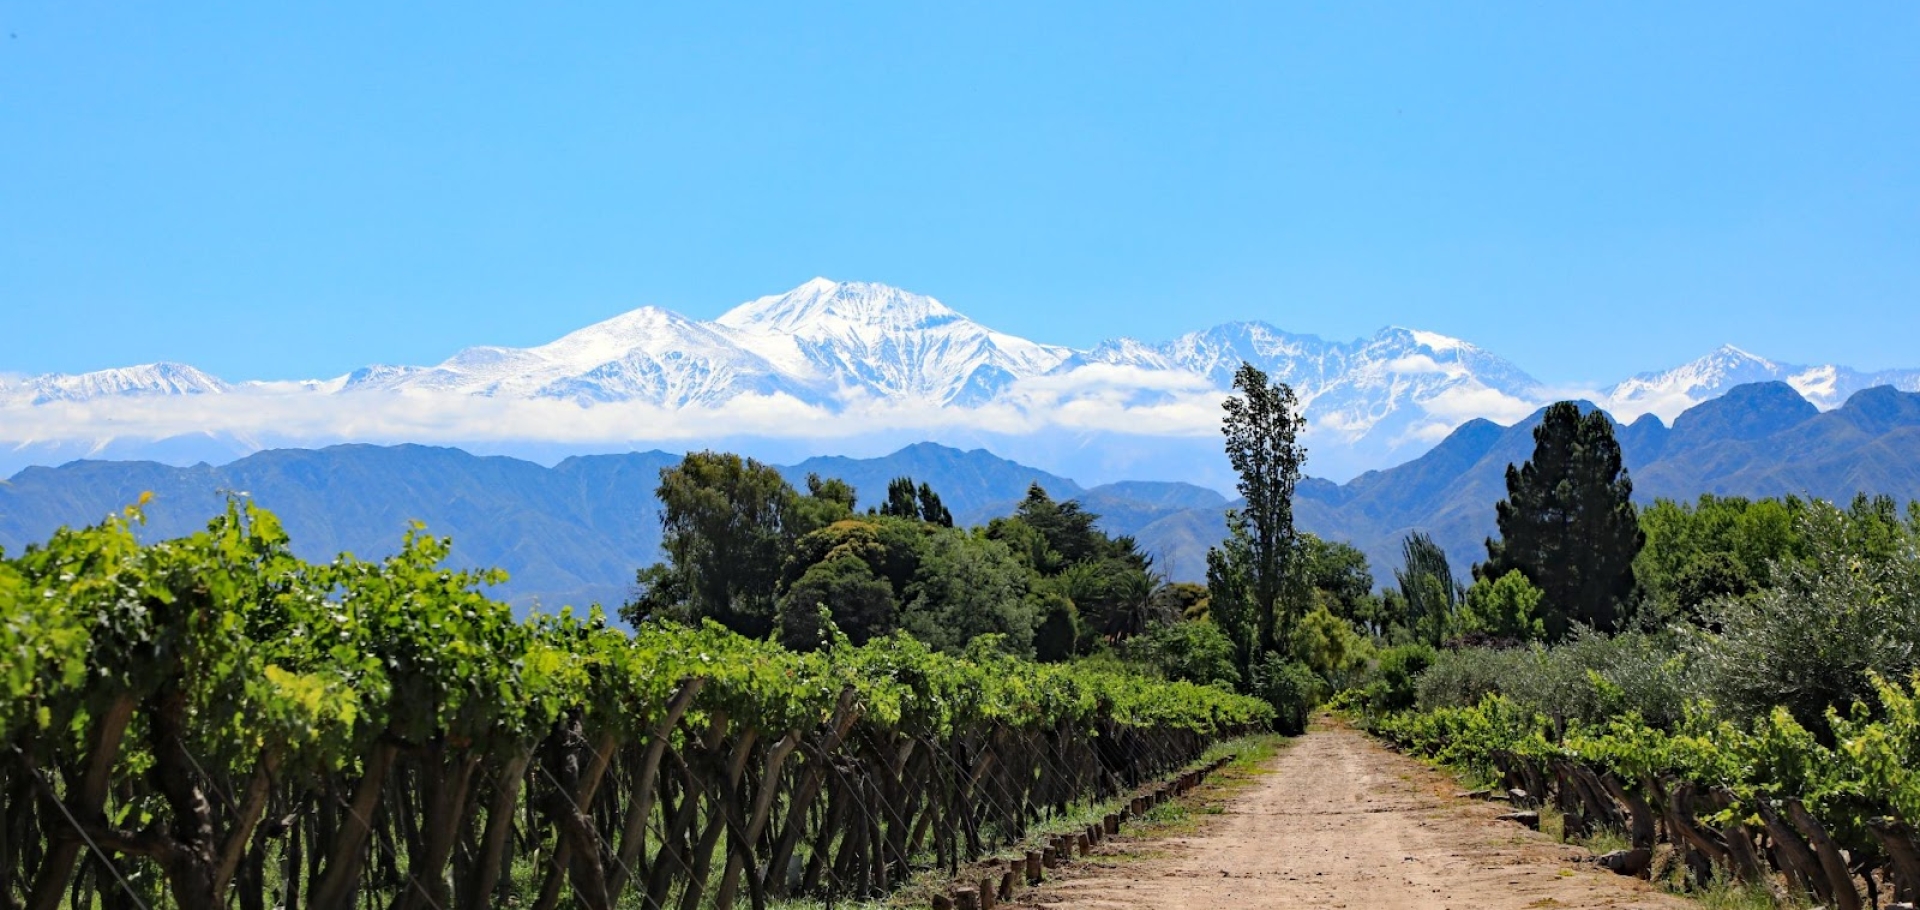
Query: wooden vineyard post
[[966, 899], [987, 892], [1033, 867]]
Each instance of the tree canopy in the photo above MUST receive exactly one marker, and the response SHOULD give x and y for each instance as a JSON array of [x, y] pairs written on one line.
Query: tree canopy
[[1568, 523]]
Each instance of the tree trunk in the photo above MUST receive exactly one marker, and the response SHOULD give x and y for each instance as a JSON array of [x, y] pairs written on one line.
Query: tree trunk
[[86, 800], [1839, 880], [341, 877]]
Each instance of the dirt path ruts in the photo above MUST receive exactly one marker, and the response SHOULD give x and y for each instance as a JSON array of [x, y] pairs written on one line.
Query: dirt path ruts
[[1342, 822]]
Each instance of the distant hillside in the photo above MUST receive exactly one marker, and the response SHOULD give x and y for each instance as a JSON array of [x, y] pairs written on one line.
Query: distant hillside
[[575, 532], [1760, 439], [572, 533]]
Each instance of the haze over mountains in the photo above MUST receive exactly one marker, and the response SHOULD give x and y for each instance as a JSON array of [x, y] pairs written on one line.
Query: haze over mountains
[[852, 367], [576, 532]]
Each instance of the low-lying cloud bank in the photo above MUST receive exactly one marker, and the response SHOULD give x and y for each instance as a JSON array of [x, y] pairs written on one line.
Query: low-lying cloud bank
[[1171, 419]]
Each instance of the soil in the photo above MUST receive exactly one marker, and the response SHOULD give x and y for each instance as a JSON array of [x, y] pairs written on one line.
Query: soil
[[1337, 820]]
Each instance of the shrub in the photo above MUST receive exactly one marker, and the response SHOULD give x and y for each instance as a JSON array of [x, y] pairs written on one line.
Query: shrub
[[1849, 608], [1291, 687]]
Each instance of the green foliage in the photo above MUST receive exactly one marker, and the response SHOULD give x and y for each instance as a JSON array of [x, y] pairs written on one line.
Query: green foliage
[[1334, 575], [1589, 679], [1328, 645], [1230, 596], [1716, 547], [969, 586], [857, 602], [1504, 608], [1846, 609], [1568, 523], [727, 522], [180, 694], [1864, 772], [1057, 638], [904, 500], [1262, 428], [1395, 675], [1429, 595], [1195, 651], [1292, 688]]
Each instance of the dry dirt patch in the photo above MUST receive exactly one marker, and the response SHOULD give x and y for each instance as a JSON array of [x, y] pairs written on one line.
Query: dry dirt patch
[[1335, 820]]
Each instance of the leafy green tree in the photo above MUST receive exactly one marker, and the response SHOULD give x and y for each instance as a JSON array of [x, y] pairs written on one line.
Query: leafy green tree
[[967, 587], [859, 603], [828, 500], [1057, 638], [1027, 544], [1291, 687], [1067, 527], [932, 510], [727, 523], [1568, 522], [1429, 595], [1185, 599], [901, 501], [1330, 647], [1230, 595], [1334, 574], [1717, 546], [1196, 651], [1847, 610], [1399, 667], [1506, 608], [1262, 429]]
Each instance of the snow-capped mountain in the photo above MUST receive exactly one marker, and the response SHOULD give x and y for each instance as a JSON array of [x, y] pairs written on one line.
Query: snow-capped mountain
[[885, 342], [834, 362], [143, 380], [1669, 392], [820, 342], [647, 354]]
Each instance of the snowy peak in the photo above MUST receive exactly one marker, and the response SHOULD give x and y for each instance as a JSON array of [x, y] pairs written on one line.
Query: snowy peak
[[146, 379], [858, 339], [826, 308], [1667, 393], [853, 358]]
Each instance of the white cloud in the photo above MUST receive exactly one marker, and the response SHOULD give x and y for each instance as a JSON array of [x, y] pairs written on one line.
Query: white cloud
[[1464, 402], [1421, 364]]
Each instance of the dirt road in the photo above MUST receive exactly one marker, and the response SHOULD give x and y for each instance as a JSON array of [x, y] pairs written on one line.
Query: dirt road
[[1341, 822]]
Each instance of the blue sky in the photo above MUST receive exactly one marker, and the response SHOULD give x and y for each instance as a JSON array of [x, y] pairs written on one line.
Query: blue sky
[[282, 190]]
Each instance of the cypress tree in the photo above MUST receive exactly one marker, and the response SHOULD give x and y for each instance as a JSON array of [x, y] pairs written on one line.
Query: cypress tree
[[1568, 523]]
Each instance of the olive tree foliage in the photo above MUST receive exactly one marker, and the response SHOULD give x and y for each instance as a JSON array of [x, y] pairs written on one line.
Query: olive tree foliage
[[1846, 610], [1262, 429]]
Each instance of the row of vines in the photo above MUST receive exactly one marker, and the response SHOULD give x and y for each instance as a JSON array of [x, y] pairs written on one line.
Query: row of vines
[[213, 722], [1772, 804]]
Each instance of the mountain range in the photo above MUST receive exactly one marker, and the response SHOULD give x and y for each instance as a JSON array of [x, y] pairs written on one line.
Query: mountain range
[[575, 532], [855, 367]]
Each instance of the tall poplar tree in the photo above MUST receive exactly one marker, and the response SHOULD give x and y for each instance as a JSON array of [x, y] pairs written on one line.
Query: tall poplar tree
[[1568, 523], [1262, 427]]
